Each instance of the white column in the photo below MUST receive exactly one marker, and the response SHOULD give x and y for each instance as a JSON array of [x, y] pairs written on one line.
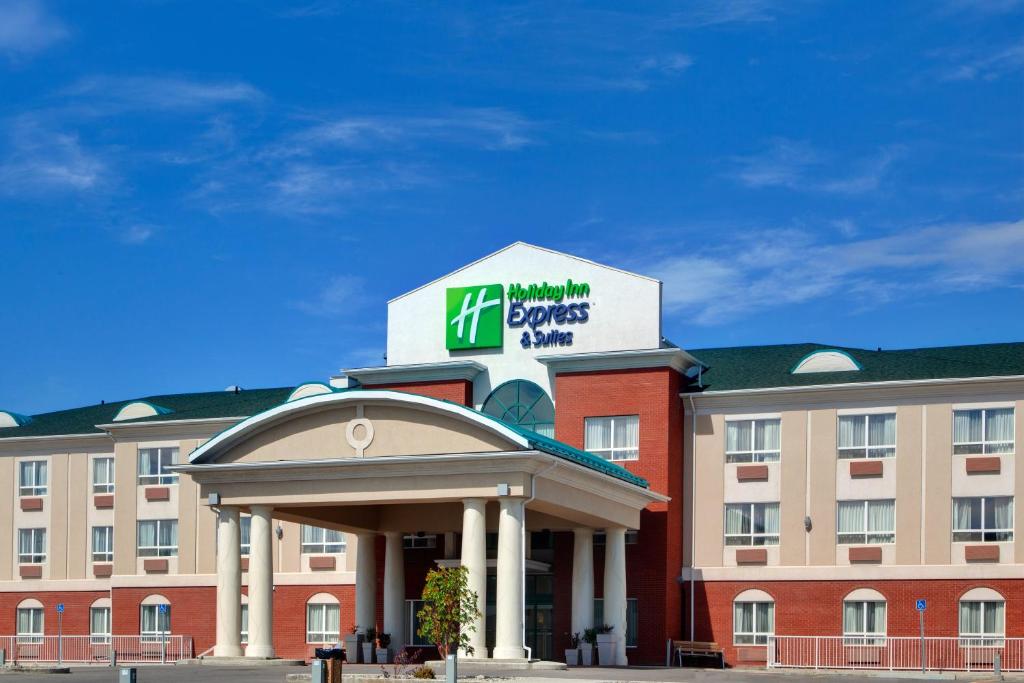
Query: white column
[[615, 588], [474, 559], [366, 582], [582, 580], [229, 584], [394, 590], [508, 635], [261, 584]]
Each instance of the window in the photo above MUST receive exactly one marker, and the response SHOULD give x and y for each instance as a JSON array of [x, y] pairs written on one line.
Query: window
[[323, 623], [632, 637], [153, 464], [867, 436], [30, 625], [866, 521], [983, 519], [245, 624], [103, 475], [412, 636], [245, 532], [524, 404], [983, 431], [158, 538], [317, 540], [632, 537], [752, 524], [156, 622], [864, 622], [103, 544], [982, 623], [752, 622], [99, 625], [416, 541], [32, 478], [613, 438], [752, 440], [31, 546]]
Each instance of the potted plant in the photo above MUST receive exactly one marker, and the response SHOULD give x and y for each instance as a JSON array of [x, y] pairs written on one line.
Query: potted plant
[[572, 653], [352, 641], [605, 645], [587, 647], [369, 638], [383, 648]]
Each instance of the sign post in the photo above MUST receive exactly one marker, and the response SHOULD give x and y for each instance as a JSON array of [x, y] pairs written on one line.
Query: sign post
[[922, 605], [60, 633], [162, 609]]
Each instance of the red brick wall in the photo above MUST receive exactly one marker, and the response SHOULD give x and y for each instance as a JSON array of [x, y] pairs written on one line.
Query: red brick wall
[[76, 610], [815, 607], [653, 564], [456, 390]]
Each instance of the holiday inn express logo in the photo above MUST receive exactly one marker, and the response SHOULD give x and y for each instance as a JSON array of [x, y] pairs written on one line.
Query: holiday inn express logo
[[474, 316]]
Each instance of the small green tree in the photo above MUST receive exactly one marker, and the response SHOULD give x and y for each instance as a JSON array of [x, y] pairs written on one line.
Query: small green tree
[[448, 603]]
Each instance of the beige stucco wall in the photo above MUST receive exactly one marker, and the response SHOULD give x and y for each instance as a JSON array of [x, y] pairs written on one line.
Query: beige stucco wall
[[821, 486], [1018, 506], [793, 487], [125, 507], [8, 501], [709, 497], [938, 504], [908, 479]]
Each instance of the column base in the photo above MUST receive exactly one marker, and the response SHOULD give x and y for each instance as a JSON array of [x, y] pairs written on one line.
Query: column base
[[260, 652], [509, 653], [227, 651]]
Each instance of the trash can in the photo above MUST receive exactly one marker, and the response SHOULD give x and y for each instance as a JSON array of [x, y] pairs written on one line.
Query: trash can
[[332, 658], [126, 675]]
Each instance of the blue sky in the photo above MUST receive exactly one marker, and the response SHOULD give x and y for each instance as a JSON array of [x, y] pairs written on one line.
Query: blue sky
[[195, 194]]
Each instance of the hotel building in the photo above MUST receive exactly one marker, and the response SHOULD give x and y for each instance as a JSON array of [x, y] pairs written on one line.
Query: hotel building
[[533, 425]]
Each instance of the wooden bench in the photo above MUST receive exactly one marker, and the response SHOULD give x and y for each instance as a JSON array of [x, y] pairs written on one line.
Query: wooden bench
[[694, 648]]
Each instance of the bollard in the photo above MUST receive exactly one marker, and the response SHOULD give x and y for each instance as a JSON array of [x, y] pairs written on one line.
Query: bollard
[[126, 675], [3, 656], [318, 671], [113, 658], [997, 665], [451, 668]]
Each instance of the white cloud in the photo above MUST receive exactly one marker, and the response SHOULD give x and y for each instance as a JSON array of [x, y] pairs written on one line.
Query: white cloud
[[796, 165], [988, 67], [137, 234], [702, 13], [40, 160], [342, 294], [771, 269], [26, 28], [148, 93]]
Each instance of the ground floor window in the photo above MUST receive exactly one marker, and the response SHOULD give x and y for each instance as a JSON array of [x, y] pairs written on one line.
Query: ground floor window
[[419, 541], [245, 624], [30, 625], [99, 625], [323, 623], [864, 622], [413, 637], [156, 622], [752, 622], [632, 638], [982, 623]]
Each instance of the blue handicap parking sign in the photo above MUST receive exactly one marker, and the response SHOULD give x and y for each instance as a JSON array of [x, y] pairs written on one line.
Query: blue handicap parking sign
[[922, 605], [162, 609], [60, 608]]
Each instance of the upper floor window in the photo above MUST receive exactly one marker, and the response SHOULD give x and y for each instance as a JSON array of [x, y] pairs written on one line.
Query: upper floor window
[[752, 440], [31, 546], [412, 541], [752, 622], [102, 544], [864, 622], [103, 475], [866, 521], [983, 519], [982, 431], [318, 540], [867, 436], [32, 478], [752, 524], [245, 533], [30, 625], [153, 464], [158, 538], [524, 404], [613, 438]]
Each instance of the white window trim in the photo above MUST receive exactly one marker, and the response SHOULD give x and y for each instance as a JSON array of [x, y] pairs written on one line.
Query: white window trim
[[106, 486], [161, 478], [319, 547], [866, 532], [30, 637], [172, 550], [997, 638], [328, 638], [752, 452], [752, 535], [755, 633], [33, 558], [612, 450], [95, 637], [866, 638], [984, 442], [414, 542], [107, 555], [158, 634], [981, 530], [35, 489], [867, 437]]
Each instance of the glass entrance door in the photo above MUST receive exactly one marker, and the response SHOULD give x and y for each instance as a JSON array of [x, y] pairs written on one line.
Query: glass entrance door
[[539, 614]]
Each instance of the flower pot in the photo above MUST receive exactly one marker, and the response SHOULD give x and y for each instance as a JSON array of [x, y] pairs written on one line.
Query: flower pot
[[572, 657], [367, 653], [586, 654], [352, 649], [383, 655], [606, 649]]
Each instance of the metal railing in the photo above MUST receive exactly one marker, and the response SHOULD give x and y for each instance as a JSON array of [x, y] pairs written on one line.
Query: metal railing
[[896, 654], [96, 650]]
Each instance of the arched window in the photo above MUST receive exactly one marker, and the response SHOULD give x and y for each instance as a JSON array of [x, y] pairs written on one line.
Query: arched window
[[99, 622], [30, 621], [522, 403], [323, 619], [982, 618], [155, 618], [753, 618], [864, 617]]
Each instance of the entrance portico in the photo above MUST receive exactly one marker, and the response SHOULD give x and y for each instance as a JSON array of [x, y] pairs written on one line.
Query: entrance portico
[[387, 463]]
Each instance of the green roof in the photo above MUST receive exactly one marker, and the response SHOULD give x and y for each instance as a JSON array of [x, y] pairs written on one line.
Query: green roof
[[763, 367], [207, 404]]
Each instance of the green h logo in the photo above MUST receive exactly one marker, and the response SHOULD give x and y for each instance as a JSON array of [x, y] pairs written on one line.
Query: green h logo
[[473, 317]]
